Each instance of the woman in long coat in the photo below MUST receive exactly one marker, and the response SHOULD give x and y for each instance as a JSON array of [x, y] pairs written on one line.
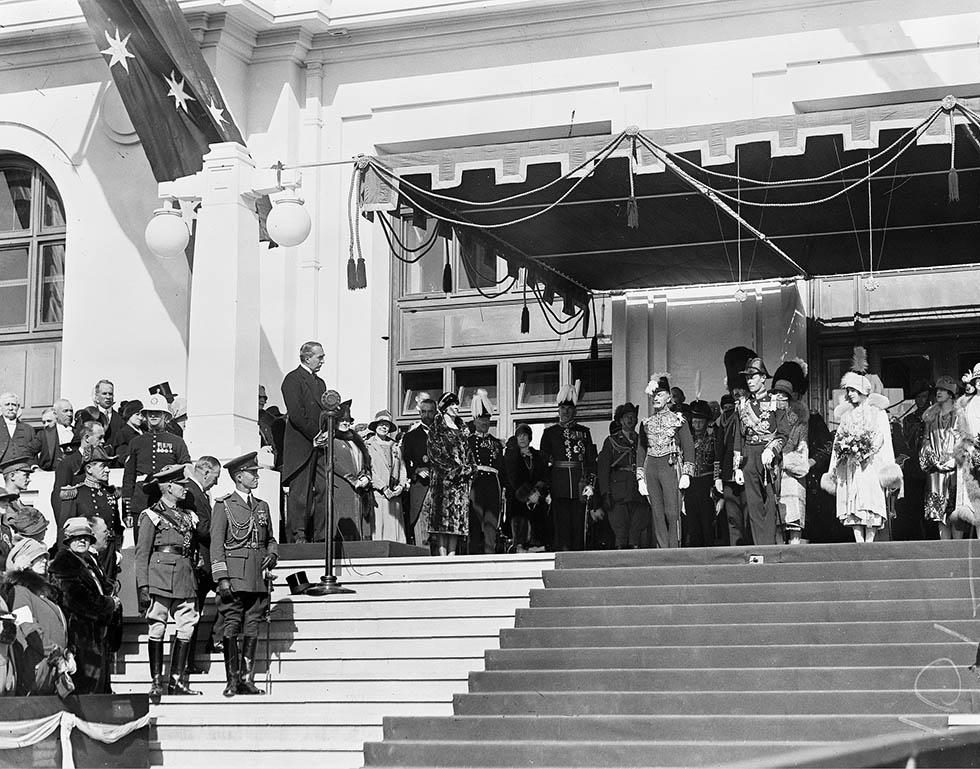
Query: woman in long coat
[[447, 507], [527, 491], [88, 605], [941, 423], [862, 462], [388, 479]]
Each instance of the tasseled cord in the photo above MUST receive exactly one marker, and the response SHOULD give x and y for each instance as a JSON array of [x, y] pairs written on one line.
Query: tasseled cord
[[954, 181], [361, 272], [351, 274], [632, 211], [525, 313], [447, 274]]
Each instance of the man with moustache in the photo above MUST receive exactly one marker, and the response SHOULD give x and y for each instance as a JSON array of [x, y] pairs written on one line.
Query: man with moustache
[[305, 477], [71, 469], [415, 454], [58, 439]]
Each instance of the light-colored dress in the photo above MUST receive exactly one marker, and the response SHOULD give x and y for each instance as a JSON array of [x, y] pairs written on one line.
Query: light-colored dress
[[796, 465], [388, 480], [860, 497], [967, 491]]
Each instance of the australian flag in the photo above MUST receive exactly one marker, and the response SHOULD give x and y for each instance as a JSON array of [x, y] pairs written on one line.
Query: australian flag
[[166, 86]]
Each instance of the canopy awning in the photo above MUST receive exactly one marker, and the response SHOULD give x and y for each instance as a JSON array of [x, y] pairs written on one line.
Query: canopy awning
[[682, 238]]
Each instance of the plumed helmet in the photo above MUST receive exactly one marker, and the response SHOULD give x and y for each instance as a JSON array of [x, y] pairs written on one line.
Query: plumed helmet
[[736, 359]]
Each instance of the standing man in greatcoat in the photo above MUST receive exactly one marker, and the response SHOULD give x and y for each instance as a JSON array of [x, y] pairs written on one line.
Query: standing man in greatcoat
[[572, 456], [243, 554], [166, 582], [302, 390]]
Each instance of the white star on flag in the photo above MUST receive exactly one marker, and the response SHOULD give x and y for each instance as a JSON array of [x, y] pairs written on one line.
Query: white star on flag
[[177, 91], [217, 113], [117, 50]]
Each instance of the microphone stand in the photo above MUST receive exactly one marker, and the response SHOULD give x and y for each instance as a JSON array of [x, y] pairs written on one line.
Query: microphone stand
[[329, 585]]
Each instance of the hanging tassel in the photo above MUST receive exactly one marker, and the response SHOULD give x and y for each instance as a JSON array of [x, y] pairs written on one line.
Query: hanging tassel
[[953, 179], [632, 211], [954, 186], [361, 273], [447, 278], [586, 315], [594, 348], [525, 315], [351, 274]]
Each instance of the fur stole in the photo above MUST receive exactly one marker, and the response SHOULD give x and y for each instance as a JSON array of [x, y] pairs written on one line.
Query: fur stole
[[931, 415], [34, 582]]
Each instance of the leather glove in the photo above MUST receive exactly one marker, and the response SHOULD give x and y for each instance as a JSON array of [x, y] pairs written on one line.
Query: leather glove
[[739, 477], [597, 514], [224, 589], [143, 598], [719, 486], [684, 482], [270, 561]]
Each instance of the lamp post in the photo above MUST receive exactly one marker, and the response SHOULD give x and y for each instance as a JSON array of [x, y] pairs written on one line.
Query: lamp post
[[328, 582]]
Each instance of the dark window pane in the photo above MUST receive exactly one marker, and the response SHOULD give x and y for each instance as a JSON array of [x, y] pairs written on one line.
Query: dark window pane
[[15, 199], [595, 378], [417, 383], [473, 378], [54, 211], [13, 264], [903, 371], [479, 265], [52, 283], [425, 275], [13, 305], [537, 383]]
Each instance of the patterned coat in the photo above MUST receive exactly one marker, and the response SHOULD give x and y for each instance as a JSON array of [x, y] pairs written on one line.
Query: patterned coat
[[446, 508]]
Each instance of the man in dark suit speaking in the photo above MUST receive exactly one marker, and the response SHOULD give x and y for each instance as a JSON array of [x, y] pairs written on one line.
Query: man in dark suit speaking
[[305, 477]]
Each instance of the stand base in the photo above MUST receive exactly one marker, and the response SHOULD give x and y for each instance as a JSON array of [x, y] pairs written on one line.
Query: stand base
[[328, 586]]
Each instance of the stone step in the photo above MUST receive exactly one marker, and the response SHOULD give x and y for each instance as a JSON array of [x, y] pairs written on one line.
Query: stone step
[[415, 590], [697, 658], [754, 592], [758, 612], [192, 712], [173, 757], [916, 631], [774, 573], [718, 702], [306, 735], [570, 754], [936, 676], [292, 689], [580, 728]]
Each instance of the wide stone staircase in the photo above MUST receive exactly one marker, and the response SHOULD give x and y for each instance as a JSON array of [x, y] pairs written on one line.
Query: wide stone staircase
[[402, 645], [652, 658]]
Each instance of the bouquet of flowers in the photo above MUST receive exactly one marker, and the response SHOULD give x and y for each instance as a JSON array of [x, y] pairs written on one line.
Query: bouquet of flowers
[[855, 444]]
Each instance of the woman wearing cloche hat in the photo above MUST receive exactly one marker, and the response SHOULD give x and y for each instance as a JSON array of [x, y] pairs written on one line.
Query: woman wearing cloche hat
[[388, 478], [941, 423], [967, 511]]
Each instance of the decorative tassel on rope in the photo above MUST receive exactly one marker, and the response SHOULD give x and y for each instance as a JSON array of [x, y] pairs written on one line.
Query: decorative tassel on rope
[[585, 321], [954, 181], [351, 274], [361, 273], [447, 274], [632, 212], [594, 348], [525, 314], [356, 271]]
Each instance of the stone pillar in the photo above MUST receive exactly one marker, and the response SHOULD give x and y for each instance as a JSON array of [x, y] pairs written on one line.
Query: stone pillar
[[223, 347]]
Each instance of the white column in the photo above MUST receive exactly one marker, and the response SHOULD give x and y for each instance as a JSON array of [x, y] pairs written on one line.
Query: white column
[[223, 349]]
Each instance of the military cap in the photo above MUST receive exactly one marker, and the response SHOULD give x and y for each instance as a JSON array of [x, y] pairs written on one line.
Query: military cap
[[756, 366], [169, 474], [18, 462], [157, 402], [96, 454], [244, 462]]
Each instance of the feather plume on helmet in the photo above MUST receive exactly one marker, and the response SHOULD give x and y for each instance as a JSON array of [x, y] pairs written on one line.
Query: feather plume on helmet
[[480, 405], [567, 393]]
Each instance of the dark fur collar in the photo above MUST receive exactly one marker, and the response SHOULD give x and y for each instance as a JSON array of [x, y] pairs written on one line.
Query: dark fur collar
[[33, 581]]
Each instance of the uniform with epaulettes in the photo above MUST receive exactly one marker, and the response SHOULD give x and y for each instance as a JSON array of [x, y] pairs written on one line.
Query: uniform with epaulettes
[[572, 457], [486, 489], [149, 453], [99, 504]]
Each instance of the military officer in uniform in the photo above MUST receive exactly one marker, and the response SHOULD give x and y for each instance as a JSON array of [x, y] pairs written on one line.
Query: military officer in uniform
[[98, 502], [571, 453], [628, 509], [243, 552], [487, 484], [23, 521], [761, 433], [165, 579], [149, 453], [415, 446]]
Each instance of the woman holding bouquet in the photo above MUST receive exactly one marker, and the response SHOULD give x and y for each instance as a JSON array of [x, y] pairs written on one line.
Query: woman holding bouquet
[[862, 462], [941, 423]]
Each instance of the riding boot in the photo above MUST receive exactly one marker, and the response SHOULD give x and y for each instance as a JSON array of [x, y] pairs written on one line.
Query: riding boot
[[230, 650], [193, 668], [178, 664], [156, 670], [246, 678]]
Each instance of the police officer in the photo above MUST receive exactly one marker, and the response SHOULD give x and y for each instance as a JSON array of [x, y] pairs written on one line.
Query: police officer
[[485, 492], [243, 552], [150, 452], [96, 500], [572, 456], [165, 579]]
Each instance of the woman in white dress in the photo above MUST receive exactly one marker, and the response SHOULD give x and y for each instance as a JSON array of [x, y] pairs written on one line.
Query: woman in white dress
[[862, 463], [388, 479]]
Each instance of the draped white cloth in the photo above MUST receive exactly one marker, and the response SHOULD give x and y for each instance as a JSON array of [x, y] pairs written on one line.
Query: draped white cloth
[[23, 734]]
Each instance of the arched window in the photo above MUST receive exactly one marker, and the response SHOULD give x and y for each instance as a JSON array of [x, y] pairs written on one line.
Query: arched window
[[32, 252]]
